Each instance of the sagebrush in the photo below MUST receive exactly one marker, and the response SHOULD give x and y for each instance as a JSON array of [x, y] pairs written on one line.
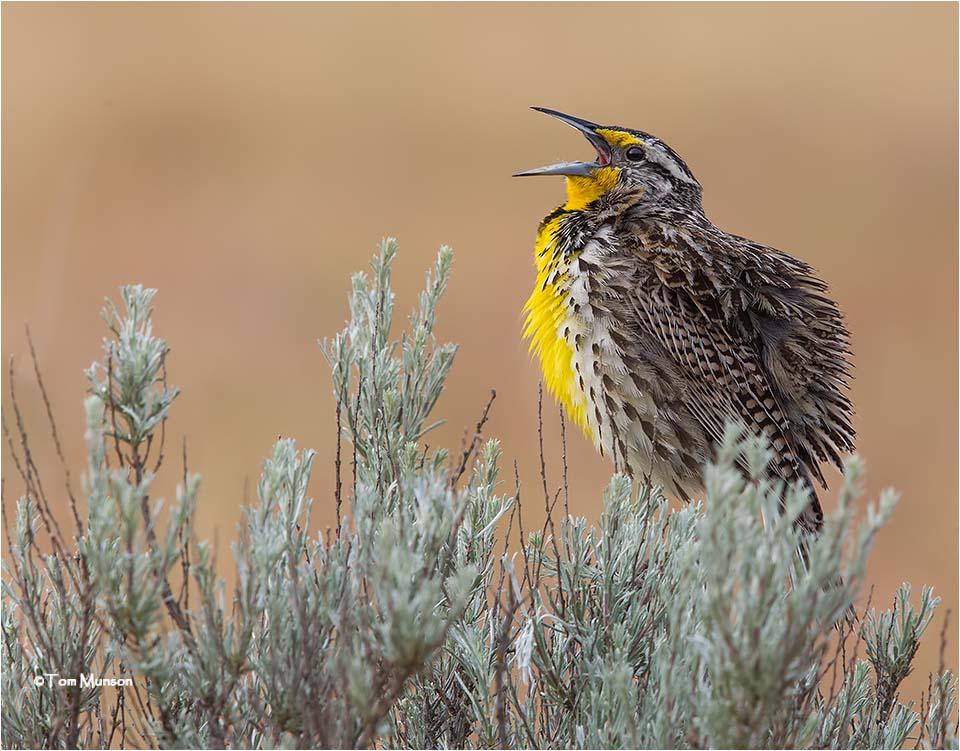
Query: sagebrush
[[413, 624]]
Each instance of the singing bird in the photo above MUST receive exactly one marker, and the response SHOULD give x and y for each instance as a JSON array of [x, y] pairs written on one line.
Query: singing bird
[[654, 327]]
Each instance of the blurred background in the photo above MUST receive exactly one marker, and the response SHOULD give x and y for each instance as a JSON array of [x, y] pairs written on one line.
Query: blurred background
[[245, 159]]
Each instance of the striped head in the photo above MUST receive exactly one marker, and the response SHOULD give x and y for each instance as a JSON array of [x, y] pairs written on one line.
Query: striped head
[[632, 167]]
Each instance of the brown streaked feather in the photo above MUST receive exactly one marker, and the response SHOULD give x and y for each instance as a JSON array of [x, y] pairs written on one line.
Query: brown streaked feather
[[758, 342]]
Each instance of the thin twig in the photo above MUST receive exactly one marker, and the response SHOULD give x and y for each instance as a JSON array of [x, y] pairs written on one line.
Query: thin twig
[[549, 507], [113, 409], [940, 740], [472, 447], [184, 594], [500, 704], [523, 535], [31, 478], [353, 443], [563, 443], [337, 494], [543, 463], [163, 422], [56, 436]]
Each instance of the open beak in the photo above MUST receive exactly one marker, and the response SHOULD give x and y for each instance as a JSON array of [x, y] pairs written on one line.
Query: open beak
[[574, 169]]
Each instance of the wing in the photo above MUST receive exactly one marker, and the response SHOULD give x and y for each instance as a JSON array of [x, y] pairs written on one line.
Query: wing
[[804, 346], [757, 342], [723, 375]]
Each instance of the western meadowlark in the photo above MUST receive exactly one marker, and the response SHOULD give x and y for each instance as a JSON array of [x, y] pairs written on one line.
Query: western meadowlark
[[654, 327]]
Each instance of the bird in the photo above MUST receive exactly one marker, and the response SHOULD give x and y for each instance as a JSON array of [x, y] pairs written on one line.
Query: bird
[[654, 328]]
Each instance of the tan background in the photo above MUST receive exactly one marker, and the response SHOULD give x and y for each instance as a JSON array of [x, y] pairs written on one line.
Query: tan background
[[245, 159]]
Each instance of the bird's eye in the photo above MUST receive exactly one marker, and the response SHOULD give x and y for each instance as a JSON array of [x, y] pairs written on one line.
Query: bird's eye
[[635, 154]]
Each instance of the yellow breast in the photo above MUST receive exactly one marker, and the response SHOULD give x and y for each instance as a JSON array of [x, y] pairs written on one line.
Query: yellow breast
[[547, 312]]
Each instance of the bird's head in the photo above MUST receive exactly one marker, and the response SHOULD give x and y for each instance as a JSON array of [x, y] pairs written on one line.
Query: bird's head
[[631, 166]]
